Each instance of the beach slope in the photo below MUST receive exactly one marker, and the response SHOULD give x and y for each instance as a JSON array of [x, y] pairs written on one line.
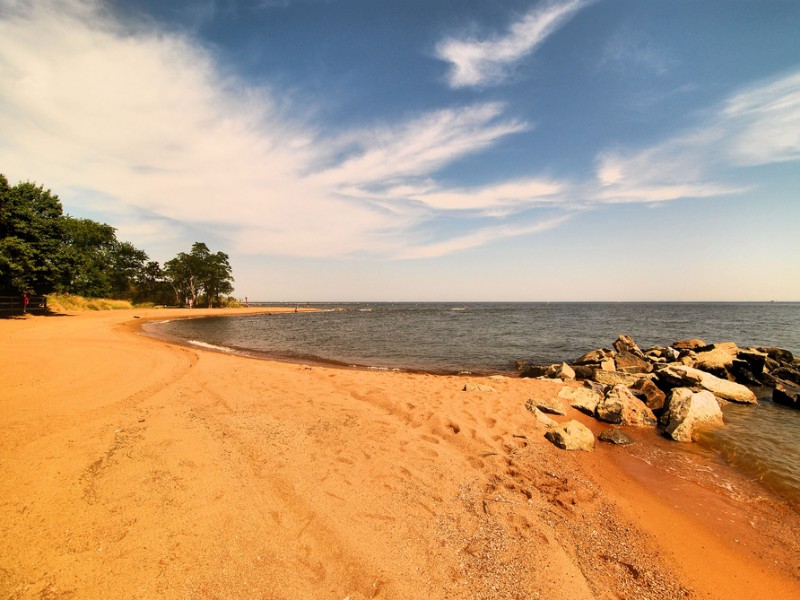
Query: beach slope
[[135, 468]]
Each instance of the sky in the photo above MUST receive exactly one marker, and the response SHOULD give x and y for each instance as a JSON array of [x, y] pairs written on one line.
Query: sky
[[424, 150]]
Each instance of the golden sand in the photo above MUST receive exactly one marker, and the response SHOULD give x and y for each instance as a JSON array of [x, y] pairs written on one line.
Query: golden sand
[[134, 468]]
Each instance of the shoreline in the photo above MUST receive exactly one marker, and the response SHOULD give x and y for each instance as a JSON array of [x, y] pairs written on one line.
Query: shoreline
[[774, 484], [161, 470]]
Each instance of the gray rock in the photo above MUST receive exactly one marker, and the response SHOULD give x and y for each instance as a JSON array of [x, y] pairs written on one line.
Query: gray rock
[[790, 374], [622, 407], [688, 344], [583, 372], [629, 362], [612, 378], [584, 399], [594, 357], [680, 376], [688, 410], [615, 436], [608, 364], [757, 360], [565, 372], [742, 372], [787, 394], [716, 358], [572, 435], [625, 343], [540, 416], [600, 388], [552, 406], [649, 393], [663, 352], [778, 354], [539, 371]]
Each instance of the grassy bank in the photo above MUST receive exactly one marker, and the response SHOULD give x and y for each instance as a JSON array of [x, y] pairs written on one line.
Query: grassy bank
[[69, 302]]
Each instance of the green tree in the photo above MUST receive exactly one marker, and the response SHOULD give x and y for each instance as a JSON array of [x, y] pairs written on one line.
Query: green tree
[[31, 233], [127, 270], [85, 258], [199, 274], [152, 286]]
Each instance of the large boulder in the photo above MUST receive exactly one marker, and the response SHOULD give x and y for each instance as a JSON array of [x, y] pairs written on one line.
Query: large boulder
[[583, 372], [594, 357], [622, 407], [717, 358], [583, 398], [572, 435], [688, 344], [565, 372], [662, 353], [532, 371], [682, 376], [757, 360], [612, 378], [742, 372], [688, 410], [787, 374], [787, 394], [778, 354], [649, 393], [628, 362], [625, 343]]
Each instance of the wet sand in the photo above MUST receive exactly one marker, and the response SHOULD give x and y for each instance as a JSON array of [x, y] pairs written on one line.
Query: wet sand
[[135, 468]]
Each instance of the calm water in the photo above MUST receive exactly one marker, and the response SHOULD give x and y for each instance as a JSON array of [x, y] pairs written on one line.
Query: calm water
[[763, 441]]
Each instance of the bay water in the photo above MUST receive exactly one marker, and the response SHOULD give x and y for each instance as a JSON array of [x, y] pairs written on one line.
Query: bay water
[[481, 338]]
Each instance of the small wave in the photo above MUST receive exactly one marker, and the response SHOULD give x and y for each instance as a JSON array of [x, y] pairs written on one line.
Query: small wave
[[211, 346]]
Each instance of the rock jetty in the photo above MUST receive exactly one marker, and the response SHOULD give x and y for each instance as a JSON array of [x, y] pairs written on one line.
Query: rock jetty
[[678, 387]]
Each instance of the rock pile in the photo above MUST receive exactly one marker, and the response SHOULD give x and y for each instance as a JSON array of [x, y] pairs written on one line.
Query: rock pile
[[677, 387]]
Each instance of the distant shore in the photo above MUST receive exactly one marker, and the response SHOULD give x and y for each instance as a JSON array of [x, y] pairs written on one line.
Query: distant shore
[[138, 468]]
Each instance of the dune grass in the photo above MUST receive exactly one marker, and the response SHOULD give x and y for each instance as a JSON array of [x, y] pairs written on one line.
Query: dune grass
[[70, 302]]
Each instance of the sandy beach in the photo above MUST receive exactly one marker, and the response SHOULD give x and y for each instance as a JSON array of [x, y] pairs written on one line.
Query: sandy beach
[[136, 468]]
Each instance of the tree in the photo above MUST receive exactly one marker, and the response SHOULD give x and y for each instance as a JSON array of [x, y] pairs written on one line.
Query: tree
[[31, 232], [199, 273], [151, 285], [42, 250], [127, 269], [85, 258]]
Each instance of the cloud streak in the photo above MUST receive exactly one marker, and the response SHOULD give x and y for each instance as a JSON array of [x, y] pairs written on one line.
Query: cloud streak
[[136, 121], [756, 126], [476, 62], [146, 125]]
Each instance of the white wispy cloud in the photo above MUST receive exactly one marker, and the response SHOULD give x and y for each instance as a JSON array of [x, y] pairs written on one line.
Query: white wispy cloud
[[476, 62], [632, 48], [765, 119], [146, 125], [421, 145], [755, 126], [137, 122], [504, 198], [481, 237]]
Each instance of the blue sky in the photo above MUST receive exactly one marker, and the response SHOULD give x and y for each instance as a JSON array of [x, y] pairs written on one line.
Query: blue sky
[[455, 150]]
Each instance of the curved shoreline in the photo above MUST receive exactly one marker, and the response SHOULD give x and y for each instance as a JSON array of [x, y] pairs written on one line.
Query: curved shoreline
[[778, 483], [138, 467], [302, 360]]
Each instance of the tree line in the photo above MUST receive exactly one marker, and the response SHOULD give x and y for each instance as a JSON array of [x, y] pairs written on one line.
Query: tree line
[[43, 250]]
